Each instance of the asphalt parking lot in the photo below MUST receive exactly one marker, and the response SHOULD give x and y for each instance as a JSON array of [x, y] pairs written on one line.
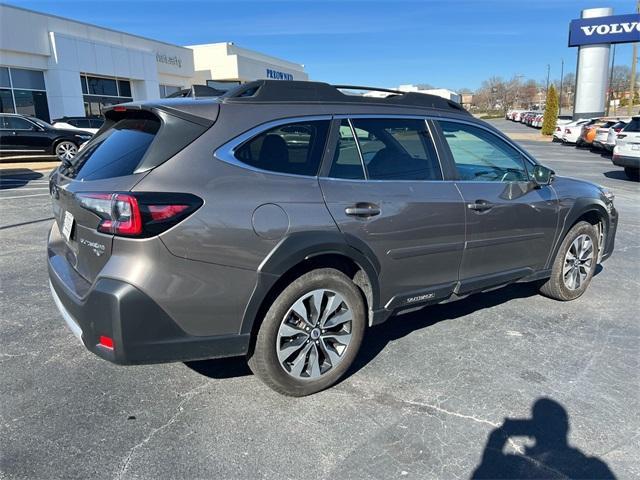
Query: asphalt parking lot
[[424, 401]]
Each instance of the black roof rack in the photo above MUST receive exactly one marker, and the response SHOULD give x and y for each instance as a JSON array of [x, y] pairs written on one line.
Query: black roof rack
[[295, 91]]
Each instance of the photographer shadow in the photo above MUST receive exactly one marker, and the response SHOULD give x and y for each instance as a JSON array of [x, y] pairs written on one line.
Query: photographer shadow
[[550, 457]]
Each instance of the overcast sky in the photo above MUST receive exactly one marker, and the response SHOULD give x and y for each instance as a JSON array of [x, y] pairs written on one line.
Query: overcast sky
[[452, 43]]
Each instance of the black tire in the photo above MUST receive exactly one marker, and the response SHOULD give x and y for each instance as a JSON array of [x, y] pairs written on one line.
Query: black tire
[[264, 361], [555, 287], [632, 173]]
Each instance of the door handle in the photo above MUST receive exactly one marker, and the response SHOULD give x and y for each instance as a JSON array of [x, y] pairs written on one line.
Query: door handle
[[363, 210], [480, 206]]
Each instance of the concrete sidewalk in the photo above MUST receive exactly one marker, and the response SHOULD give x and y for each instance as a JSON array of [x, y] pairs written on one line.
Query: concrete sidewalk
[[15, 168]]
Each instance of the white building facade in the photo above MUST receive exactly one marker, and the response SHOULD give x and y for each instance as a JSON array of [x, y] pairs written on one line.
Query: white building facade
[[51, 67], [439, 92]]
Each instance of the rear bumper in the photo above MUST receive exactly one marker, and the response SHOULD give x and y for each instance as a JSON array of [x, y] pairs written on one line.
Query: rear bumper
[[623, 161], [142, 331]]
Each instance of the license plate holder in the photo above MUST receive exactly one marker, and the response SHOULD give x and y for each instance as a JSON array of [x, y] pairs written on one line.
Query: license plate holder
[[67, 225]]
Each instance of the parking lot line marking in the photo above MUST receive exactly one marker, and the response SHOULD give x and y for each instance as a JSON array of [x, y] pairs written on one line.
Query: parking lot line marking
[[25, 196], [5, 227]]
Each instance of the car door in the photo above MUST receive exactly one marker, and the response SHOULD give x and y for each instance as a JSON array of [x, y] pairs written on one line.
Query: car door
[[25, 136], [6, 140], [511, 222], [385, 190]]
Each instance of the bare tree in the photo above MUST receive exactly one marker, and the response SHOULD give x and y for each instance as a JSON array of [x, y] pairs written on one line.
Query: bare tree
[[620, 81]]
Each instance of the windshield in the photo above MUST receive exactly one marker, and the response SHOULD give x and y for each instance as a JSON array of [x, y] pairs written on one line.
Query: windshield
[[40, 123]]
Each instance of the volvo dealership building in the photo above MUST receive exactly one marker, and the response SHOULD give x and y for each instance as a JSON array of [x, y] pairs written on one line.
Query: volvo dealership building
[[51, 67]]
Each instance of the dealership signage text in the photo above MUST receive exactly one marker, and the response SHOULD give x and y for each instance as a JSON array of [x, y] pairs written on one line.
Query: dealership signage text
[[174, 60], [612, 29], [276, 75]]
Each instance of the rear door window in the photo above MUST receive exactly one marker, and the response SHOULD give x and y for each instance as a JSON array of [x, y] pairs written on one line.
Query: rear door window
[[397, 149], [346, 159], [294, 148], [117, 151]]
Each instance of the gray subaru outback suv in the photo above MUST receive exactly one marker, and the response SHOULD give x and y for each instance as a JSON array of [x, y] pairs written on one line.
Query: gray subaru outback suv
[[281, 220]]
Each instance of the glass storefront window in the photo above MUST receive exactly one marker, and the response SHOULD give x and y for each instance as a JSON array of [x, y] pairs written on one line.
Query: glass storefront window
[[4, 77], [23, 91], [124, 88], [102, 86], [94, 104], [6, 101], [32, 103], [27, 79], [166, 90]]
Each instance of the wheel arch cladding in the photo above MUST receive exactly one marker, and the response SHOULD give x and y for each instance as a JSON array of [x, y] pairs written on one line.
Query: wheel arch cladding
[[584, 209], [300, 253]]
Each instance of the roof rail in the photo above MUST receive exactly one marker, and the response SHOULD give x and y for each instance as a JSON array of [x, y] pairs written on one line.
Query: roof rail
[[369, 89], [295, 91]]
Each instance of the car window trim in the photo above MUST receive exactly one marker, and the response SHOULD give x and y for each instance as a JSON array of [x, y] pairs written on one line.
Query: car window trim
[[325, 172], [226, 152], [23, 129], [359, 150]]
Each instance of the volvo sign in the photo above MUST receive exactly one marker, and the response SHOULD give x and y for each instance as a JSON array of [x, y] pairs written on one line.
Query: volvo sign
[[594, 33], [610, 29]]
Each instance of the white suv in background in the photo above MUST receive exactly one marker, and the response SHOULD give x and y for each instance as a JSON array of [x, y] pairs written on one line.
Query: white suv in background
[[626, 153]]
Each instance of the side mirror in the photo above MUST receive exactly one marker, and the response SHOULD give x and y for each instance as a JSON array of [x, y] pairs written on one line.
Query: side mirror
[[542, 175]]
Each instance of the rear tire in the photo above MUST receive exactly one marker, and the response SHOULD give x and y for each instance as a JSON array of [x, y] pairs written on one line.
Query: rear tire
[[574, 265], [632, 173], [310, 334]]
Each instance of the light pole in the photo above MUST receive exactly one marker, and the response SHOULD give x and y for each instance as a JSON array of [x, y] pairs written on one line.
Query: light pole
[[548, 71], [561, 78]]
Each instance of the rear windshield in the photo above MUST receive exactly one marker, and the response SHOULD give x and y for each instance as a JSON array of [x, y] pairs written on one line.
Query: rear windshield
[[116, 152], [633, 126]]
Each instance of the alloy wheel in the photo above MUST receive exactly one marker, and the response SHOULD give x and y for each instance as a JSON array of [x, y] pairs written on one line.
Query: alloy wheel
[[66, 150], [577, 262], [314, 334]]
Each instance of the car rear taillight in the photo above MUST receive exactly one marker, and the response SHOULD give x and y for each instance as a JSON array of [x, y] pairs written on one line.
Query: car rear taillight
[[106, 342], [141, 214]]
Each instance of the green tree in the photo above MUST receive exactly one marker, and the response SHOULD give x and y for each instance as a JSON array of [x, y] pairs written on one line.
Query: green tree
[[550, 112]]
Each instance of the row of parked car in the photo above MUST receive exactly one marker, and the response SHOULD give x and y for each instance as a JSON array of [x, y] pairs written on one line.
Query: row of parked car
[[24, 135], [532, 118], [618, 135]]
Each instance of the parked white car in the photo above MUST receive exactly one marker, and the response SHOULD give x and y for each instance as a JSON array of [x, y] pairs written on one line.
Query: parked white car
[[571, 131], [626, 153], [612, 134]]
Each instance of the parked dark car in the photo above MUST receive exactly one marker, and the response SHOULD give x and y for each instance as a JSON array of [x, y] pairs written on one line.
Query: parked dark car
[[23, 135], [281, 220]]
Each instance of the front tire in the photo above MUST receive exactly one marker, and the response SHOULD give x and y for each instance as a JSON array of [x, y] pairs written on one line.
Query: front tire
[[574, 265], [310, 334]]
